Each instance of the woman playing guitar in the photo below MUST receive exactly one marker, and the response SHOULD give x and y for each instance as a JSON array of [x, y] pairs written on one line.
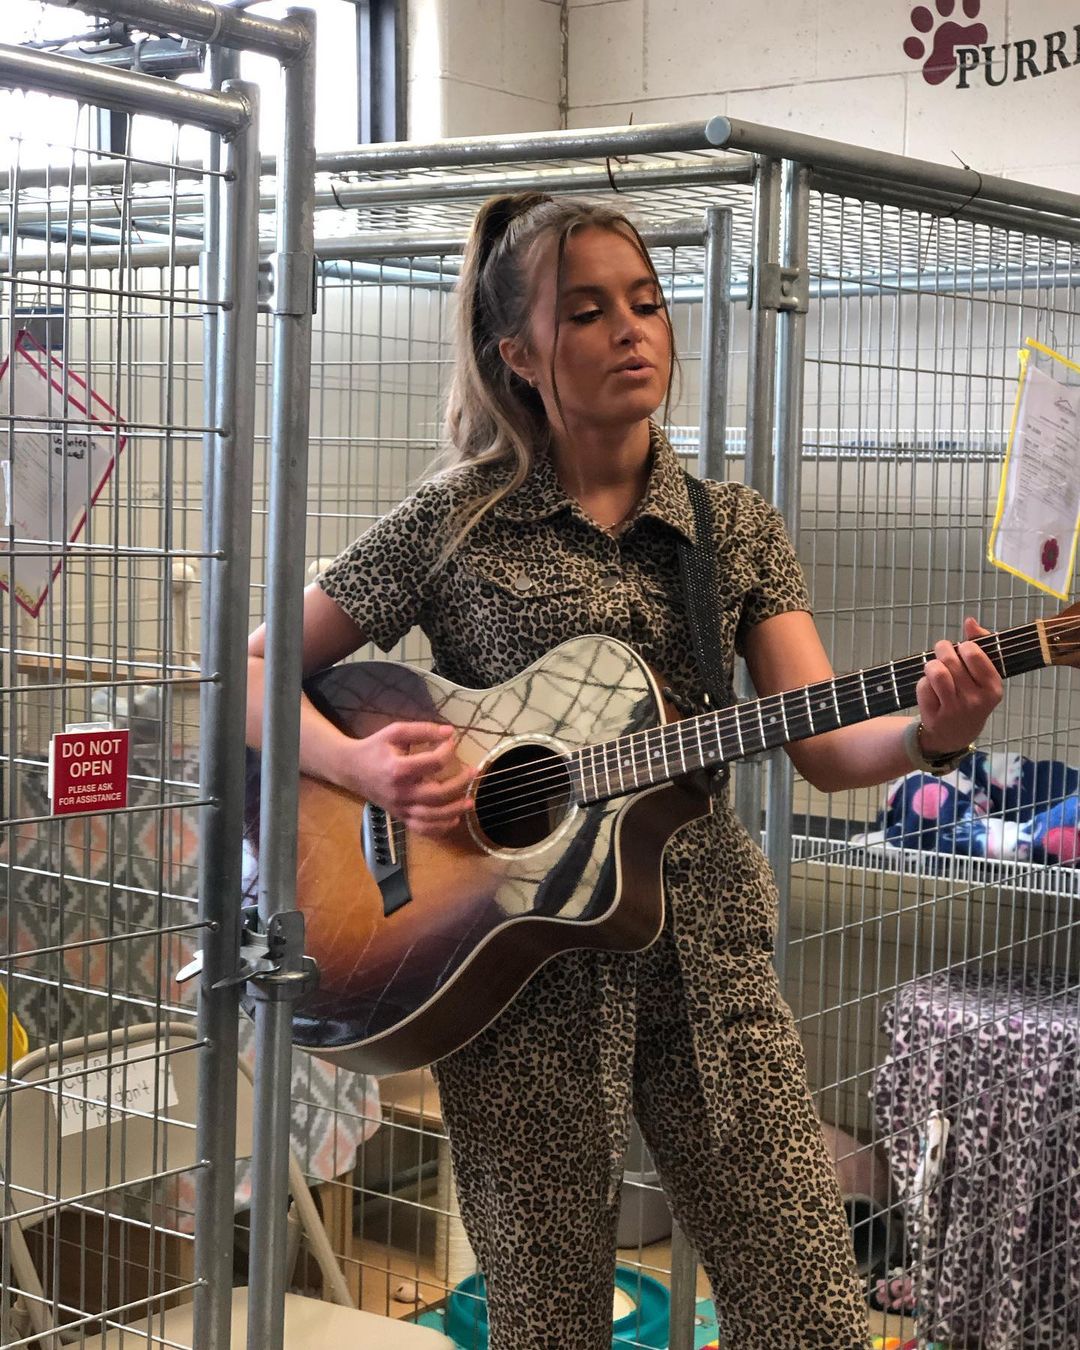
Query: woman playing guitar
[[561, 517]]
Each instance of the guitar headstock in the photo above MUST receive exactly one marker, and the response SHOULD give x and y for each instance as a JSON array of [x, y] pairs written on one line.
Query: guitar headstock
[[1063, 637]]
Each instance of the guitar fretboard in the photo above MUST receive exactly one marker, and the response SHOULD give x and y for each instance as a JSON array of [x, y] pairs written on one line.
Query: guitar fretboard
[[644, 759]]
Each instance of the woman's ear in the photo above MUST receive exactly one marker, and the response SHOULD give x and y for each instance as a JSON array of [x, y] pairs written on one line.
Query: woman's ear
[[516, 355]]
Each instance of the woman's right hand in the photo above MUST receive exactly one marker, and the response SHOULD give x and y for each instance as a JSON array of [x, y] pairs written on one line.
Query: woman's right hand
[[412, 771]]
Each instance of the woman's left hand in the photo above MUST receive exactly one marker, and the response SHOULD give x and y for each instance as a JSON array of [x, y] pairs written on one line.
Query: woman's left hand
[[959, 690]]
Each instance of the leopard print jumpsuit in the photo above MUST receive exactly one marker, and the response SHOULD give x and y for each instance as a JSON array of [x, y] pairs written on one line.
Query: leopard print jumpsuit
[[692, 1034]]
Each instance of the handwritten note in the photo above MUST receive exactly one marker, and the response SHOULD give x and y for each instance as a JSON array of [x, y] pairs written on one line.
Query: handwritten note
[[1034, 536], [106, 1094]]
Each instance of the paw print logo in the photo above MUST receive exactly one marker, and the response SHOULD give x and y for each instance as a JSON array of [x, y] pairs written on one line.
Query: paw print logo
[[947, 36]]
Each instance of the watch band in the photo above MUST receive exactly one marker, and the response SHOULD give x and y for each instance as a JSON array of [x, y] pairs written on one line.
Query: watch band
[[938, 764]]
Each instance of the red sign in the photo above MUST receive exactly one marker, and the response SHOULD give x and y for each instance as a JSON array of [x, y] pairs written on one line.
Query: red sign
[[88, 771]]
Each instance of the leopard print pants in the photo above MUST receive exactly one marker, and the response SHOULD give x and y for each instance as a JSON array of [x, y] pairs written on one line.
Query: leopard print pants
[[531, 1107]]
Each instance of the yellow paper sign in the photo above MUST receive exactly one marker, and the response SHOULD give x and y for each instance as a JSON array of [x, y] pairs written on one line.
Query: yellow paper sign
[[1035, 529]]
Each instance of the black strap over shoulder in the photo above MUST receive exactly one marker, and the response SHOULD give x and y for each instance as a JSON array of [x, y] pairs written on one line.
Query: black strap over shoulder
[[697, 565]]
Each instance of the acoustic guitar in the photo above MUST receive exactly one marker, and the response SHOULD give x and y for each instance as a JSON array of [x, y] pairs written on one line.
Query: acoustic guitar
[[581, 779]]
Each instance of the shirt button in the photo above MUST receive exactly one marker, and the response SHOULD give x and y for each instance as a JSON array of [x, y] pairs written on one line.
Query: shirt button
[[610, 580], [523, 582]]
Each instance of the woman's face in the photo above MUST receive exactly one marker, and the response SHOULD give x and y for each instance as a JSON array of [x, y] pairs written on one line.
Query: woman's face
[[613, 345]]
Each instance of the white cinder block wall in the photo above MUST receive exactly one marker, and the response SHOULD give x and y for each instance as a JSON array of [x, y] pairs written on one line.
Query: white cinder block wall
[[836, 69], [480, 66]]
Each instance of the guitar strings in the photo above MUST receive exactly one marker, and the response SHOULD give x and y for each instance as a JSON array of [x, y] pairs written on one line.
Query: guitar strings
[[535, 789], [716, 724], [727, 717], [535, 794]]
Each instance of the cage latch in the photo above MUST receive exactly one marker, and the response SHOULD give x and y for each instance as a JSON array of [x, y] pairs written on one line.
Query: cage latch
[[273, 960], [784, 288]]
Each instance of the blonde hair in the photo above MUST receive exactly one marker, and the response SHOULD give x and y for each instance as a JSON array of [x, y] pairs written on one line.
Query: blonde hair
[[493, 416]]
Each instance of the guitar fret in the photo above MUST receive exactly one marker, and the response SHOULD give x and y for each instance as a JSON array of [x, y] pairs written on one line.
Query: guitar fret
[[651, 756], [658, 750]]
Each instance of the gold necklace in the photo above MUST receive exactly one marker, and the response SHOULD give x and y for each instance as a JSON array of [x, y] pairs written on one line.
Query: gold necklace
[[611, 529]]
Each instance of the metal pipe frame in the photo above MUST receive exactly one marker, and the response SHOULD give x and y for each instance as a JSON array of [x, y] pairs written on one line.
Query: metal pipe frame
[[785, 496], [760, 386], [602, 142], [715, 342], [122, 90], [682, 1324], [725, 133], [390, 260], [222, 744], [203, 21], [156, 56], [289, 428], [396, 191], [762, 344], [930, 202], [224, 66]]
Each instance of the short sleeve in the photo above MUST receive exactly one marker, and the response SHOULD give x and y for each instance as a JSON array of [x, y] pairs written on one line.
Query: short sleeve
[[383, 580], [776, 581]]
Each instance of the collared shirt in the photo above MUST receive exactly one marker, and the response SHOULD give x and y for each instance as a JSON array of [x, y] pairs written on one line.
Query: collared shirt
[[537, 571]]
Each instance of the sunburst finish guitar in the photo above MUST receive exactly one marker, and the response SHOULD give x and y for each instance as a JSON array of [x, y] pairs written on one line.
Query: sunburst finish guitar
[[580, 781]]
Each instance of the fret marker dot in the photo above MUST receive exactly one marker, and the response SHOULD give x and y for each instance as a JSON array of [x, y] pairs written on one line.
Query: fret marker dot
[[656, 754], [879, 689], [772, 719]]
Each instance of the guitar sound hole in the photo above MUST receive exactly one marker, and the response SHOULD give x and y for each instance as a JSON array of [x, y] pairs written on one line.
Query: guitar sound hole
[[523, 796]]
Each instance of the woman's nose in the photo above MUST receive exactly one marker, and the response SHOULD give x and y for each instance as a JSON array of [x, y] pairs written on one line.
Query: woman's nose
[[630, 330]]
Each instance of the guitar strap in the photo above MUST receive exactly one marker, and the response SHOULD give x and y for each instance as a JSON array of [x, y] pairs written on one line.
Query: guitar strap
[[697, 566]]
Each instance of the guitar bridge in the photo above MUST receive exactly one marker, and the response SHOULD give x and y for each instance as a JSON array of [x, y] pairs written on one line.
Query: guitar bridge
[[385, 857]]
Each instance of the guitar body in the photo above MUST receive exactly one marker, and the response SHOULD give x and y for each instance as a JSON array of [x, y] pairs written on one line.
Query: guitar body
[[420, 942]]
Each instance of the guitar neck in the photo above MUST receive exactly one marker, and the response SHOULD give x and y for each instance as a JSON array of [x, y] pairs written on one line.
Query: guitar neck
[[645, 759]]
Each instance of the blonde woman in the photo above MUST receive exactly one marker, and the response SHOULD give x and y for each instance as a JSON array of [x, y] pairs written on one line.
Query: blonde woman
[[560, 517]]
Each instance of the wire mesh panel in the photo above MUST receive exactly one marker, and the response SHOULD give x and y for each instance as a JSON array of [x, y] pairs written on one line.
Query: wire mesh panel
[[932, 960], [911, 337], [383, 348], [101, 438]]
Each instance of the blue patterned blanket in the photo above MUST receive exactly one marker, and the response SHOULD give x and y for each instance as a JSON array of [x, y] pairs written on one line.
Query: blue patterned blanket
[[992, 806]]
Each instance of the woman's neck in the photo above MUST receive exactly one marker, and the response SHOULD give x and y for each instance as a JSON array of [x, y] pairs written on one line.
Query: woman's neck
[[591, 460], [605, 471]]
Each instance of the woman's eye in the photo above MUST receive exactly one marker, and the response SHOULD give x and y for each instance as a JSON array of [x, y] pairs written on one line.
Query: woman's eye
[[585, 316], [649, 308]]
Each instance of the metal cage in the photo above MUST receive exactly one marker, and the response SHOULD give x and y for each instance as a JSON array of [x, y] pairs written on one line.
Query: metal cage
[[847, 323]]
